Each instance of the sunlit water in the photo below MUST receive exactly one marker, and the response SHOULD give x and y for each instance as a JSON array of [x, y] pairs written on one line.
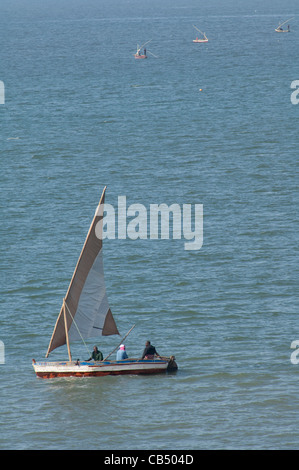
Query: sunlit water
[[81, 113]]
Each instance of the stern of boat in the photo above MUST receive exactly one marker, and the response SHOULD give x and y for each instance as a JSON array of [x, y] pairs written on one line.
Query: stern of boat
[[172, 365]]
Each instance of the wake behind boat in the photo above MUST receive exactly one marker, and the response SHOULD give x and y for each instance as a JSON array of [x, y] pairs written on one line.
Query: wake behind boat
[[85, 313]]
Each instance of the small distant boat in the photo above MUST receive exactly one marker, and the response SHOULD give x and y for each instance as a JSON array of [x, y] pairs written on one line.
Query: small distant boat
[[85, 313], [139, 55], [280, 29], [203, 39]]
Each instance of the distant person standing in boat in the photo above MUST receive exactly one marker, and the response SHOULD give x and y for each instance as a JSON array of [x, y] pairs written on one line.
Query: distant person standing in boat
[[149, 351], [121, 353], [144, 51], [96, 355]]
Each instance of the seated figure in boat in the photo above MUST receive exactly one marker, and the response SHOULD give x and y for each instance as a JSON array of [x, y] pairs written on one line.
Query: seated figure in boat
[[149, 351], [121, 353], [96, 355]]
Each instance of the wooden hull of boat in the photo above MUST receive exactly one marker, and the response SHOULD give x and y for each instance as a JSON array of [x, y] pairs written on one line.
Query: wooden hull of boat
[[282, 30], [140, 56], [200, 40], [49, 370]]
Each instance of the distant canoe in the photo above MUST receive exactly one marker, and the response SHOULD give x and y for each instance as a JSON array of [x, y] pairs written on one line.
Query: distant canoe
[[200, 40], [140, 56], [279, 28], [204, 39]]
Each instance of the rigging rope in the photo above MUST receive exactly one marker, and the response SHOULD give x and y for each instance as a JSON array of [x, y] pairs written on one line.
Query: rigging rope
[[77, 328]]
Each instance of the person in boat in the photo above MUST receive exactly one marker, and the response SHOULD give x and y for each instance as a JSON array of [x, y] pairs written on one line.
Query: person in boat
[[96, 355], [149, 351], [121, 353], [144, 51]]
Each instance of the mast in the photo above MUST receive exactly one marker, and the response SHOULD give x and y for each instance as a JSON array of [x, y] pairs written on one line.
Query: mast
[[279, 26], [199, 30], [66, 332]]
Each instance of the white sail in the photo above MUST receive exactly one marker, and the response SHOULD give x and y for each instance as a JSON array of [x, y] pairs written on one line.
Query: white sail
[[205, 39], [85, 311], [279, 27], [284, 22]]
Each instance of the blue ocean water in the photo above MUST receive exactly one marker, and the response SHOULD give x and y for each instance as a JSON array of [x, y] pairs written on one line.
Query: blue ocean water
[[81, 113]]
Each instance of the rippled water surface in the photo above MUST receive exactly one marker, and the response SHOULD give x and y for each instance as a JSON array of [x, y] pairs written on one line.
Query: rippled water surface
[[81, 113]]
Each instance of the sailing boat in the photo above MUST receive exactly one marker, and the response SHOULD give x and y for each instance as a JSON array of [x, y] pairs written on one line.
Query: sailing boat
[[85, 313], [279, 28], [204, 39], [138, 54]]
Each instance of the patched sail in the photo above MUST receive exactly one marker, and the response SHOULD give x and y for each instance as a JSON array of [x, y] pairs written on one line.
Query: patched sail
[[85, 311]]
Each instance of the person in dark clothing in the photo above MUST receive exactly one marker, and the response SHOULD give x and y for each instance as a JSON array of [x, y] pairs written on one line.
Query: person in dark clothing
[[96, 355], [149, 351]]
